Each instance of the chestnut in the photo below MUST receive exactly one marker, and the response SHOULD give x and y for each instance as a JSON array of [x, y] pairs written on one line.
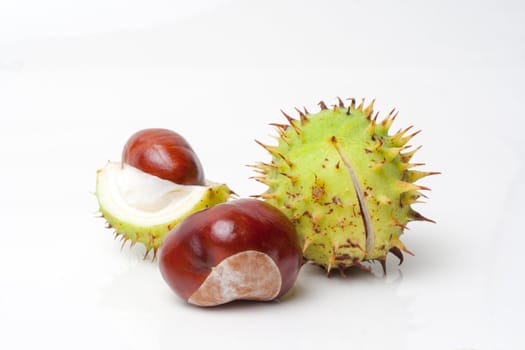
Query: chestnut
[[164, 153], [245, 249]]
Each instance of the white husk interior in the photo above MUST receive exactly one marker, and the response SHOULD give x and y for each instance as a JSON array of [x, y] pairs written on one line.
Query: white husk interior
[[143, 199]]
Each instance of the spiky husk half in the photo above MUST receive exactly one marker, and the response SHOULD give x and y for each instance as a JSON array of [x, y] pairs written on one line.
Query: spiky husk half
[[345, 182], [162, 204]]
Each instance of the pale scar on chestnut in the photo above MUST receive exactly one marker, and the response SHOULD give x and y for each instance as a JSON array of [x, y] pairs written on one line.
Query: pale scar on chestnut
[[249, 275]]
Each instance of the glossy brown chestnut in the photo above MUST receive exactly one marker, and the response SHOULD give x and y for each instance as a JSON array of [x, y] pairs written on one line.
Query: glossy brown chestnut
[[243, 249], [165, 154]]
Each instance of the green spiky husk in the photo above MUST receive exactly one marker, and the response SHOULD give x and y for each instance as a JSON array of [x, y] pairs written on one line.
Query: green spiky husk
[[345, 182], [153, 236]]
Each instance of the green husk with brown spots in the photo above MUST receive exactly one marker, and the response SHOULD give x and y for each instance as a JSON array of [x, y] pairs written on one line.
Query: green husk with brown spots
[[345, 182]]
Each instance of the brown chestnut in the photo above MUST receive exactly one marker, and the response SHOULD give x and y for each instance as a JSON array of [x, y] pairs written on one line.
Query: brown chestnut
[[244, 249], [165, 154]]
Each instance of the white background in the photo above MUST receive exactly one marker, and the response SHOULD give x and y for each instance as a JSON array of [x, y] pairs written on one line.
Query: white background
[[77, 79]]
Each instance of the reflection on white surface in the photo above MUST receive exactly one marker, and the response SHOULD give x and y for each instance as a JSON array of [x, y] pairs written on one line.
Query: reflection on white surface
[[219, 77]]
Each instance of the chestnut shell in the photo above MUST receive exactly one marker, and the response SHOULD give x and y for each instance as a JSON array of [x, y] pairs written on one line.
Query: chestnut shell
[[164, 153], [201, 241]]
